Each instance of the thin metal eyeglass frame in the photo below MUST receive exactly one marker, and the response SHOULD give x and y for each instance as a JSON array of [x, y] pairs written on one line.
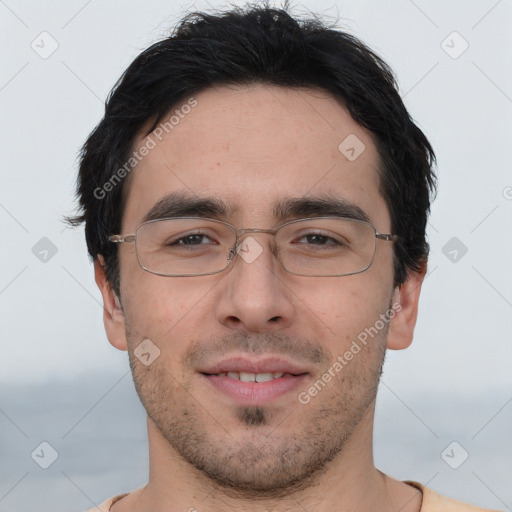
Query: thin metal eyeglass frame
[[132, 238]]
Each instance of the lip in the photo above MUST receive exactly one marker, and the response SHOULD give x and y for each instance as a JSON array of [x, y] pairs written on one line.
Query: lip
[[255, 393], [266, 364]]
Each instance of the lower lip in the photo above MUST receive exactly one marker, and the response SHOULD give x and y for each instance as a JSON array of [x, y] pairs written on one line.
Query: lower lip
[[255, 393]]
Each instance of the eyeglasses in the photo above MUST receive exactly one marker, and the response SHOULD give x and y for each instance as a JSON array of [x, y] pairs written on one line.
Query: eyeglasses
[[195, 246]]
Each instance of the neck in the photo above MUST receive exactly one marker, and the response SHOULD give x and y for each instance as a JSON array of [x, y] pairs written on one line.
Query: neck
[[349, 482]]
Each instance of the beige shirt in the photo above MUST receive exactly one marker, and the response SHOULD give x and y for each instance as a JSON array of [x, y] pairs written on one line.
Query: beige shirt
[[432, 502]]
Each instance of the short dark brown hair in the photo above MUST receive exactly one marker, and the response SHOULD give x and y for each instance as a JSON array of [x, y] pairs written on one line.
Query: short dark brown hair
[[258, 44]]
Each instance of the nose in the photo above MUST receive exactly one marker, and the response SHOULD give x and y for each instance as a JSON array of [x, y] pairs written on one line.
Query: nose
[[253, 295]]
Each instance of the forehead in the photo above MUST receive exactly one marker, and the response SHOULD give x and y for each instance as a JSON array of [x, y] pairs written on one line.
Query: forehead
[[254, 147]]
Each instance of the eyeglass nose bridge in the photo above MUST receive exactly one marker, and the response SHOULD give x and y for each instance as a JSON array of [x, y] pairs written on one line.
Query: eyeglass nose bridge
[[239, 233]]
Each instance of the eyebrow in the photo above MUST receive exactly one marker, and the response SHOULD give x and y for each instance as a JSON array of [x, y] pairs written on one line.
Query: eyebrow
[[183, 205]]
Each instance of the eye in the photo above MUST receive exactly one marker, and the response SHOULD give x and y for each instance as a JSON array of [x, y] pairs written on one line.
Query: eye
[[322, 240], [189, 240], [316, 239], [195, 239]]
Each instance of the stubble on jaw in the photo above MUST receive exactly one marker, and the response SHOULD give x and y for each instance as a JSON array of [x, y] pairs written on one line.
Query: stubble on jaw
[[259, 458]]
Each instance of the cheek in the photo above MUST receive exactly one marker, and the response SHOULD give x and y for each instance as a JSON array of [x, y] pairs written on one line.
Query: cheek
[[345, 306], [164, 310]]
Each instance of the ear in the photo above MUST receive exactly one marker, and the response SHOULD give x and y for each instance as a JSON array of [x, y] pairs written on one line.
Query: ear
[[405, 307], [113, 315]]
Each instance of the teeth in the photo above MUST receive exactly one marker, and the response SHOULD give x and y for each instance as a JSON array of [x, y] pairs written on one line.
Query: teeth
[[252, 377], [247, 377], [264, 377]]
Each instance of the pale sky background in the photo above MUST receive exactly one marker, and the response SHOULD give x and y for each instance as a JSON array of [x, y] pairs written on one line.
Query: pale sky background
[[51, 328]]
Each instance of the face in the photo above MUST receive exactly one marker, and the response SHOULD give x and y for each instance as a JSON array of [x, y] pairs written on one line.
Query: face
[[254, 148]]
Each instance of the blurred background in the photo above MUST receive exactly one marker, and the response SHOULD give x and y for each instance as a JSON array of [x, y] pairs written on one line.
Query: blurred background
[[72, 431]]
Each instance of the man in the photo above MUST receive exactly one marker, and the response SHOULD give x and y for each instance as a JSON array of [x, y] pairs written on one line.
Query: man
[[255, 201]]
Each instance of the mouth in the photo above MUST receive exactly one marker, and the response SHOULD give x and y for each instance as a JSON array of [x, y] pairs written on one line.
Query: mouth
[[254, 382], [255, 377]]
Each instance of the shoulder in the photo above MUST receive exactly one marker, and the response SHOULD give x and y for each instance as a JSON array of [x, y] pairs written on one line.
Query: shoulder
[[107, 504], [433, 502]]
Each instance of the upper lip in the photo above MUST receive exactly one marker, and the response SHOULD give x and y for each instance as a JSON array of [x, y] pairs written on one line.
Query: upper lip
[[266, 364]]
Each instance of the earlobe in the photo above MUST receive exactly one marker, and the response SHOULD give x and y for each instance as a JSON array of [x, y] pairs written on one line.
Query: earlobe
[[405, 306], [113, 314]]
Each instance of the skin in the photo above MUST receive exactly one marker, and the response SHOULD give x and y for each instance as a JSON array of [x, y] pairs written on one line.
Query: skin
[[251, 146]]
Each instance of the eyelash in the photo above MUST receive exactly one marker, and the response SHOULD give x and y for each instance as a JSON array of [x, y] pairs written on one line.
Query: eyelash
[[180, 240]]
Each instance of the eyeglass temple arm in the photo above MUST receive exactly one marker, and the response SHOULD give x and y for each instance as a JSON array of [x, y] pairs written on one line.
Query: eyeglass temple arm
[[119, 239], [387, 237]]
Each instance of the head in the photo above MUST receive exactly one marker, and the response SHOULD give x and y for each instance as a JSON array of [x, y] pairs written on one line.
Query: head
[[240, 113]]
